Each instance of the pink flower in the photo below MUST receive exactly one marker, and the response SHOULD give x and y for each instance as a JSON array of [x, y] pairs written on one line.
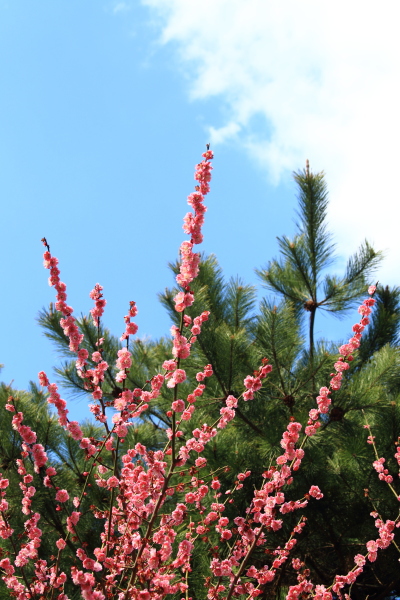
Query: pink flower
[[124, 360], [75, 430], [62, 496], [27, 434], [182, 300], [112, 482], [231, 402], [177, 377], [39, 456], [75, 516], [315, 492], [341, 365], [169, 365], [44, 382], [359, 559], [226, 534], [100, 303], [178, 406]]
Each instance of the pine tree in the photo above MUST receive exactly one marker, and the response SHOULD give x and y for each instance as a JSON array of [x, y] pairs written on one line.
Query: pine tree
[[299, 277]]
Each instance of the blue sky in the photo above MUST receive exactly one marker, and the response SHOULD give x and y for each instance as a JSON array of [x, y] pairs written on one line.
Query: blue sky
[[106, 107]]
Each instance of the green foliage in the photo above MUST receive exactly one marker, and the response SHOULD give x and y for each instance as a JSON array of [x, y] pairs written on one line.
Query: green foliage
[[300, 277]]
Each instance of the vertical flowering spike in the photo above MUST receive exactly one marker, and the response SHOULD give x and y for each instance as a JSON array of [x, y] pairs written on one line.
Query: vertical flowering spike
[[100, 303], [131, 328], [124, 362], [68, 323], [192, 226], [341, 365]]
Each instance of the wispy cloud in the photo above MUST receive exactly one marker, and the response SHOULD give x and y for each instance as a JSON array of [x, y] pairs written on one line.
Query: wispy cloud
[[297, 80], [120, 7]]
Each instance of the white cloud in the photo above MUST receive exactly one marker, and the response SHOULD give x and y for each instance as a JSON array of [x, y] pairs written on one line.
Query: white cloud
[[120, 7], [323, 79], [222, 134]]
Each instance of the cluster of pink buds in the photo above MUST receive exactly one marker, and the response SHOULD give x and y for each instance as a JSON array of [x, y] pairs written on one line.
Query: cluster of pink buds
[[177, 376], [207, 372], [384, 540], [5, 529], [227, 412], [29, 445], [193, 223], [342, 364], [181, 344], [196, 324], [253, 384], [100, 303], [68, 323], [124, 363], [192, 226], [282, 554], [383, 473], [54, 398], [130, 327], [183, 300], [92, 377]]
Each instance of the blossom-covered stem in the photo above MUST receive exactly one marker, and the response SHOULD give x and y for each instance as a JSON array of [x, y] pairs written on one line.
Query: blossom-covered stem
[[187, 586], [371, 441], [97, 312], [56, 569], [82, 494], [67, 534], [15, 549], [176, 388], [95, 458], [342, 364], [291, 537], [115, 472], [243, 563], [68, 322], [20, 567], [157, 507], [173, 438]]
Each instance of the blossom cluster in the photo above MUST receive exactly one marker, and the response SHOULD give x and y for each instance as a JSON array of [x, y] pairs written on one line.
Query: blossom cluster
[[342, 364], [130, 327], [254, 383], [192, 225], [100, 302], [68, 322]]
